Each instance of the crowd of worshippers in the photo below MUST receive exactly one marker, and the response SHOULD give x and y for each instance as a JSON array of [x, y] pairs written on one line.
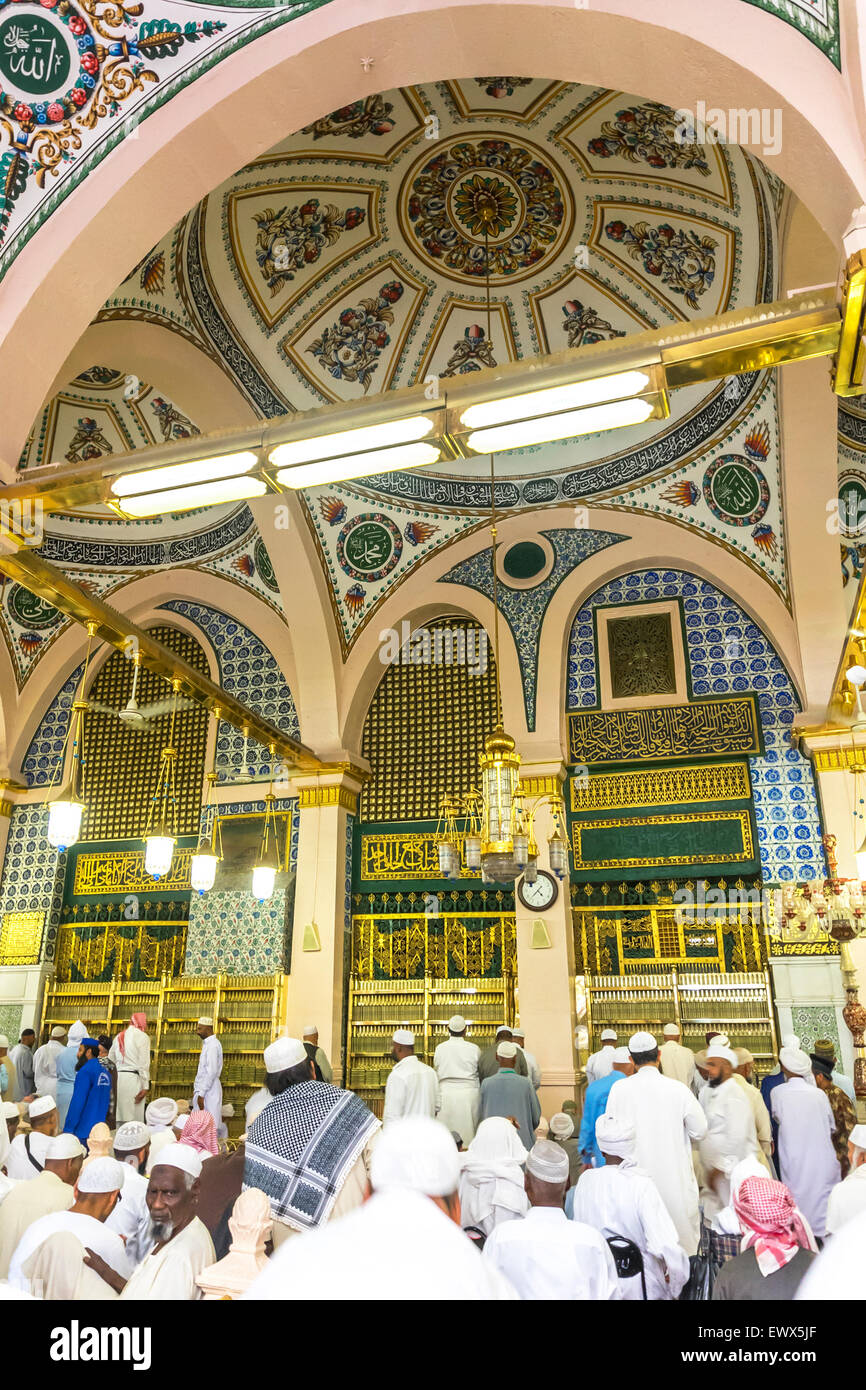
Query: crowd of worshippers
[[681, 1178]]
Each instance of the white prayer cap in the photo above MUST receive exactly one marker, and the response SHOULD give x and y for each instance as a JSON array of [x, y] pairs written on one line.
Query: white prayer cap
[[161, 1111], [182, 1156], [102, 1175], [744, 1056], [503, 1028], [283, 1054], [8, 1111], [41, 1106], [717, 1053], [517, 1032], [641, 1042], [58, 1031], [456, 1024], [418, 1154], [506, 1050], [180, 1121], [795, 1061], [791, 1040], [719, 1040], [310, 1029], [547, 1161], [77, 1032], [671, 1030], [206, 1021], [562, 1125], [65, 1146], [621, 1055], [614, 1135], [404, 1037], [4, 1041], [857, 1137], [132, 1135], [608, 1035], [228, 1111]]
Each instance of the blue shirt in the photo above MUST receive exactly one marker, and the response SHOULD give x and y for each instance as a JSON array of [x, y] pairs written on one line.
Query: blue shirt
[[595, 1104], [90, 1100]]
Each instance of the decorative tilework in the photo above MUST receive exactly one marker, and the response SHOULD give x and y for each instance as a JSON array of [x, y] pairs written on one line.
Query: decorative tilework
[[728, 653], [41, 763], [10, 1021], [33, 872], [524, 609], [813, 1021]]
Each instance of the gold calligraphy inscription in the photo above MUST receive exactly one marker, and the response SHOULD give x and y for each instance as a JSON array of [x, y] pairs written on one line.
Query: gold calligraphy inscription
[[704, 728], [803, 948], [21, 938], [122, 871], [663, 786], [402, 857], [708, 857]]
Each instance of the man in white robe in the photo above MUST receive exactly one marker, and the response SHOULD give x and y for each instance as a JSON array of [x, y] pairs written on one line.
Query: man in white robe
[[848, 1198], [599, 1064], [45, 1062], [743, 1076], [26, 1155], [130, 1053], [207, 1088], [665, 1117], [533, 1070], [837, 1274], [97, 1192], [544, 1255], [131, 1218], [50, 1191], [455, 1063], [620, 1199], [412, 1087], [676, 1061], [806, 1125], [731, 1134], [409, 1231]]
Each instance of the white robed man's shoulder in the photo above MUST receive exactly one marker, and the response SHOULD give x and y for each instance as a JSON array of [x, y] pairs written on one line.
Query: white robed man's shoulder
[[837, 1273]]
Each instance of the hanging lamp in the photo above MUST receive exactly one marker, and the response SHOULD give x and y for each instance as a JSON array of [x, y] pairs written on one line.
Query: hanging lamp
[[268, 863], [160, 835], [203, 865], [66, 811]]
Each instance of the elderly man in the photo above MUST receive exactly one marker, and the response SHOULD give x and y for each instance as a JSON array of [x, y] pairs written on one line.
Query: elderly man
[[676, 1061], [183, 1247], [619, 1199], [599, 1064], [45, 1062], [511, 1096], [131, 1217], [778, 1247], [731, 1134], [21, 1058], [488, 1065], [843, 1111], [50, 1191], [316, 1054], [412, 1087], [665, 1117], [848, 1198], [806, 1126], [743, 1076], [97, 1192], [409, 1230], [26, 1155], [595, 1104], [92, 1094], [544, 1255], [130, 1053], [207, 1087], [533, 1070], [310, 1148], [455, 1062]]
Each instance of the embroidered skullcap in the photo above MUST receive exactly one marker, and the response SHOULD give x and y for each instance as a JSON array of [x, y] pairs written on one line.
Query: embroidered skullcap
[[161, 1112], [180, 1156], [671, 1030], [857, 1137], [614, 1135], [8, 1111], [717, 1053], [64, 1146], [102, 1175], [132, 1135], [206, 1021], [310, 1029], [562, 1125], [744, 1056], [825, 1048], [404, 1037], [456, 1024], [608, 1035], [547, 1161], [77, 1033], [4, 1041], [58, 1031], [283, 1054], [621, 1055], [41, 1106], [795, 1061], [416, 1154], [503, 1028], [641, 1042], [507, 1050]]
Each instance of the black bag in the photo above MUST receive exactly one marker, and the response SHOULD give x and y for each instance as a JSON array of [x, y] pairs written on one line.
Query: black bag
[[628, 1259], [699, 1288]]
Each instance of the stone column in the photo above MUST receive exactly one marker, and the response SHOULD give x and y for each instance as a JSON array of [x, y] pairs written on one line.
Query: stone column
[[545, 960], [321, 935]]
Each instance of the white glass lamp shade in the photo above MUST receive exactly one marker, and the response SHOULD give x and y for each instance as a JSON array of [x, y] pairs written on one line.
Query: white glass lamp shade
[[64, 822], [472, 850], [264, 877], [521, 848], [202, 873], [158, 854], [531, 874], [449, 860], [558, 855]]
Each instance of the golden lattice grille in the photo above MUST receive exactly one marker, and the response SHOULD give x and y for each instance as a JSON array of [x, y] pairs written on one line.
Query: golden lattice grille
[[426, 726], [122, 764]]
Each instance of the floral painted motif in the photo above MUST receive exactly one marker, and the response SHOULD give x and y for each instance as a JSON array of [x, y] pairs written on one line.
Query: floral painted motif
[[682, 494], [647, 134], [355, 598], [765, 539], [470, 354], [172, 423], [351, 348], [500, 87], [88, 441], [583, 325], [333, 510], [682, 259], [416, 532], [153, 273], [291, 238], [372, 116]]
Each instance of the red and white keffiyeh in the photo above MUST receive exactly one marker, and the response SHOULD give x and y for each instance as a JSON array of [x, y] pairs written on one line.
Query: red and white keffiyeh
[[772, 1223], [137, 1021]]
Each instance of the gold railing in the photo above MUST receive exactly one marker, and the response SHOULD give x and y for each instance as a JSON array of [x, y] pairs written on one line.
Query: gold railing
[[451, 943], [666, 935], [89, 956]]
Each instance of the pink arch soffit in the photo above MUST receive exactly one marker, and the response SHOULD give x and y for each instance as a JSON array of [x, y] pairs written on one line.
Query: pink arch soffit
[[730, 54]]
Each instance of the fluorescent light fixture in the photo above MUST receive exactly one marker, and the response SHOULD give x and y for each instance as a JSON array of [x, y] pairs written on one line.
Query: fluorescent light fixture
[[182, 474], [181, 499], [613, 415], [362, 441], [572, 396], [336, 470]]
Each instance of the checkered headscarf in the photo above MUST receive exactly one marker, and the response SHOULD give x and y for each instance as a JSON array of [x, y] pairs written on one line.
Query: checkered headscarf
[[772, 1223]]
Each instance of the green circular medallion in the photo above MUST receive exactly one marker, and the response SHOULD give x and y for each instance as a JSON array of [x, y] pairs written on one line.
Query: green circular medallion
[[35, 57], [852, 506], [524, 560], [369, 546], [29, 609], [264, 566]]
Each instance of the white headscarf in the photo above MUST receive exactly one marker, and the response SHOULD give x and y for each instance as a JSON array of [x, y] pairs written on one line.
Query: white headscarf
[[727, 1220], [492, 1173]]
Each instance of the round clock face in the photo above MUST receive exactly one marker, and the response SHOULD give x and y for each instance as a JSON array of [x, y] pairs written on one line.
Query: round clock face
[[539, 895]]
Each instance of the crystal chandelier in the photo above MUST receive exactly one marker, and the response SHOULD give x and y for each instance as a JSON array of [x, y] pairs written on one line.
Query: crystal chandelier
[[66, 811], [268, 863], [160, 835]]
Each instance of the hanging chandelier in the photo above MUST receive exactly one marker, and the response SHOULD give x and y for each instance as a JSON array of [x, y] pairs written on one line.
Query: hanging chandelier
[[66, 811], [203, 865], [160, 835], [268, 863]]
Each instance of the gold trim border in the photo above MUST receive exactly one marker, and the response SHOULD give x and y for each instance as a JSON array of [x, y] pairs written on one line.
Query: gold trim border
[[328, 796], [663, 786], [837, 759], [742, 816]]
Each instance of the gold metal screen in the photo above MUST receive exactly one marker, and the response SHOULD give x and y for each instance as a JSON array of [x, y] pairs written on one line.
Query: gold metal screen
[[427, 723], [122, 764]]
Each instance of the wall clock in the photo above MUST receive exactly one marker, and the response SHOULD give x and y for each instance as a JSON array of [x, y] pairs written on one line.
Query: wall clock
[[541, 894]]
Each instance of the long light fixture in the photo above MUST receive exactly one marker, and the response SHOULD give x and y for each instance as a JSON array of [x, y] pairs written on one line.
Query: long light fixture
[[66, 811], [405, 440], [160, 835], [189, 483], [203, 865], [268, 863]]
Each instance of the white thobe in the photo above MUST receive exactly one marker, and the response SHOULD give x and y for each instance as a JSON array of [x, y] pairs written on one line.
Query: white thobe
[[168, 1274], [412, 1089], [133, 1072], [256, 1104], [45, 1067], [131, 1218], [207, 1079], [26, 1203], [665, 1116], [761, 1116], [455, 1062], [92, 1234], [16, 1162], [837, 1274], [600, 1063], [730, 1135], [847, 1200], [677, 1062], [809, 1163], [546, 1256], [621, 1200], [533, 1070]]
